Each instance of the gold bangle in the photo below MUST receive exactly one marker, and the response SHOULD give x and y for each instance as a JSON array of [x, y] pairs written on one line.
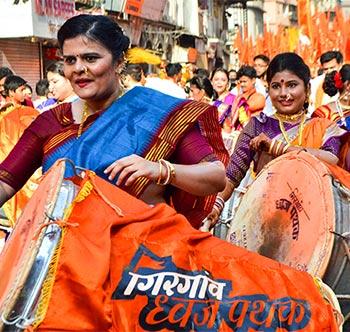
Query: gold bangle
[[273, 142], [276, 148], [170, 172], [279, 152], [285, 148], [159, 180]]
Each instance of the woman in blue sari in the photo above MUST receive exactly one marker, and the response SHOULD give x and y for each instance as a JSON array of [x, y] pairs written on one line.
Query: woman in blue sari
[[144, 141]]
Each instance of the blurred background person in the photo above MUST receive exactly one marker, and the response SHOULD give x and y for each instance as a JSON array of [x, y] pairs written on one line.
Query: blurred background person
[[261, 62], [131, 76], [4, 72], [247, 77], [14, 119], [223, 98], [330, 61], [43, 102], [28, 95], [232, 75], [339, 110], [59, 86], [201, 89], [201, 72], [169, 85]]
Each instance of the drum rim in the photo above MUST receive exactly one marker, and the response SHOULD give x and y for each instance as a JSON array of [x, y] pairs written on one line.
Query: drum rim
[[21, 270]]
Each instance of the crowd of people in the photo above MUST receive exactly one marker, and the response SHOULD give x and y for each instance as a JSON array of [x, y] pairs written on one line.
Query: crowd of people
[[107, 115]]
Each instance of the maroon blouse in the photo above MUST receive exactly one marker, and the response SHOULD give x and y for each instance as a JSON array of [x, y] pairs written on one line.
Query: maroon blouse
[[42, 136]]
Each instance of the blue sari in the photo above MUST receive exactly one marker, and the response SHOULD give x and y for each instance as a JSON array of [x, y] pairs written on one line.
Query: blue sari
[[127, 127]]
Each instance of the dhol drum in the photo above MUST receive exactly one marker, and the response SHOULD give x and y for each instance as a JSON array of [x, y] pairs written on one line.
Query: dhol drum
[[223, 224], [28, 255], [92, 258], [295, 212]]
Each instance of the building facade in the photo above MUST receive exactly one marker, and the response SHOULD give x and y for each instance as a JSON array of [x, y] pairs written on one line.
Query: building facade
[[280, 13]]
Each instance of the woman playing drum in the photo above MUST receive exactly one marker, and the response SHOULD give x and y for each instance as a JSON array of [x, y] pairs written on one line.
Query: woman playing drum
[[128, 141], [265, 138]]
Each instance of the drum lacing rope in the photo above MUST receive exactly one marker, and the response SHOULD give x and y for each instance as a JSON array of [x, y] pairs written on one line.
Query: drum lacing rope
[[328, 294], [116, 208], [53, 221]]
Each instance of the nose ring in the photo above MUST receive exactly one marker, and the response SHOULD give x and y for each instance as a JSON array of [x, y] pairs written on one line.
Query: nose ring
[[85, 70], [288, 96]]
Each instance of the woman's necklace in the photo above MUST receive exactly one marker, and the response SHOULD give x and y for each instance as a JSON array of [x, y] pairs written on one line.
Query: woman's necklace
[[287, 117], [83, 119], [300, 129]]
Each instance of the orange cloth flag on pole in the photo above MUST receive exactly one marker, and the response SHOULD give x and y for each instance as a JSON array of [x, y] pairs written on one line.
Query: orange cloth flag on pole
[[304, 17], [122, 265], [13, 121]]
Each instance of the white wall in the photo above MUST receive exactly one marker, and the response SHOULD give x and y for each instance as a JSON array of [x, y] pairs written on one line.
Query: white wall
[[15, 20], [22, 20]]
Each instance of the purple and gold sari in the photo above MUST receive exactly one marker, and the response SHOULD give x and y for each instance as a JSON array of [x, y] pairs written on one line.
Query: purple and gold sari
[[317, 133]]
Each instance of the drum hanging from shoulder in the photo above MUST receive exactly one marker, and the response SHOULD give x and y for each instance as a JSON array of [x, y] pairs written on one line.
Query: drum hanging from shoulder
[[110, 271], [296, 213]]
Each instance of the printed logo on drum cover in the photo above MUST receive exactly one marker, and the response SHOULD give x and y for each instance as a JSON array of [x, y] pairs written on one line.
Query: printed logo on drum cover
[[184, 300]]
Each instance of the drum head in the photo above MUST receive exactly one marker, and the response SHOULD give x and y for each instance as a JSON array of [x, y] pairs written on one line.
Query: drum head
[[288, 213]]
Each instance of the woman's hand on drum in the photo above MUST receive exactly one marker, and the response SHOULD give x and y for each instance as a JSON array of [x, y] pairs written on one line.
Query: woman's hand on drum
[[260, 143], [130, 168]]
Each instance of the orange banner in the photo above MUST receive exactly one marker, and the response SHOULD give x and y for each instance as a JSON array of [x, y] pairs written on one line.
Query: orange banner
[[13, 121], [122, 265]]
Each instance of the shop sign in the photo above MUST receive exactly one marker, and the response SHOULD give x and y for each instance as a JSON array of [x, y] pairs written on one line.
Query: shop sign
[[57, 8], [133, 7], [149, 9]]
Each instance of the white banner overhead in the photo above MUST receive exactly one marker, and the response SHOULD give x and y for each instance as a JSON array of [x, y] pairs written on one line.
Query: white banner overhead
[[38, 18]]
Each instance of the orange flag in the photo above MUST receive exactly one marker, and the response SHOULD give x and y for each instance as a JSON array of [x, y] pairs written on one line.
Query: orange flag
[[122, 265], [304, 16]]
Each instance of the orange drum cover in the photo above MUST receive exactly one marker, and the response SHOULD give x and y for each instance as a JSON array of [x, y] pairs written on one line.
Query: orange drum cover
[[21, 248], [127, 266], [288, 213]]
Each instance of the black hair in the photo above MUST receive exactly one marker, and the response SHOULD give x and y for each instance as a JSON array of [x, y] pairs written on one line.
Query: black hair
[[12, 83], [293, 63], [98, 28], [134, 70], [246, 71], [42, 87], [262, 57], [173, 69], [329, 84], [203, 83], [4, 72], [201, 72], [56, 67], [330, 55], [219, 70], [29, 87]]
